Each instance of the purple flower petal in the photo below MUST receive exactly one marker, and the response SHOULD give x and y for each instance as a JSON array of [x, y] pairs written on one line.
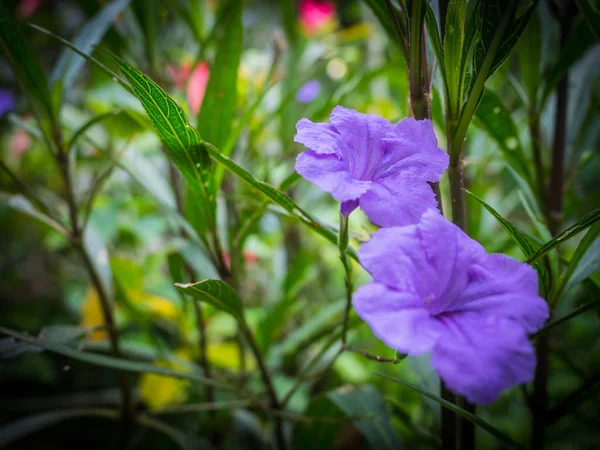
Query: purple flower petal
[[444, 291], [396, 160], [479, 359], [7, 101], [330, 174], [397, 318], [308, 91]]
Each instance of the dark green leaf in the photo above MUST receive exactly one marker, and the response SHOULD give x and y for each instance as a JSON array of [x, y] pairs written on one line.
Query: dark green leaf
[[365, 409], [574, 263], [109, 361], [493, 117], [590, 11], [20, 428], [216, 293], [69, 64], [502, 437], [577, 45], [220, 103], [489, 17], [586, 222], [529, 50], [22, 204], [27, 69]]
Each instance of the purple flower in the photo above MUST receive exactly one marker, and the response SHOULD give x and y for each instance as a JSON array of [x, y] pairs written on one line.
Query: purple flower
[[7, 101], [435, 289], [308, 91], [362, 159]]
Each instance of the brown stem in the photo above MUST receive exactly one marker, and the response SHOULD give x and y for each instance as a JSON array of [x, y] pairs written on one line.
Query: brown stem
[[539, 400], [273, 401], [105, 303]]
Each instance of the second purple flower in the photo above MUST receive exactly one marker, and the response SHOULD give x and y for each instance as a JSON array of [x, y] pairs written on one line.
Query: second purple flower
[[364, 160]]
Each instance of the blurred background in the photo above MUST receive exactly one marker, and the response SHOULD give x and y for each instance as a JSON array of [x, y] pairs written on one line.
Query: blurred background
[[286, 61]]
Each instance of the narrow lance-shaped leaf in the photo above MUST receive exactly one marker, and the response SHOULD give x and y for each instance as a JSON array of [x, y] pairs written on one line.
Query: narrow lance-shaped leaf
[[586, 222], [528, 51], [69, 64], [108, 361], [20, 203], [590, 11], [216, 293], [453, 51], [219, 105], [181, 140], [436, 42], [489, 17], [501, 436]]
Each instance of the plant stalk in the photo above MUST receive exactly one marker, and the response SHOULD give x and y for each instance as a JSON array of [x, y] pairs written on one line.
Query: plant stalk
[[273, 401], [343, 246]]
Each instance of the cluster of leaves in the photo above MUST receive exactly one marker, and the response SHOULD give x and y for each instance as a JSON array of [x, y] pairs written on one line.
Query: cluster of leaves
[[151, 204]]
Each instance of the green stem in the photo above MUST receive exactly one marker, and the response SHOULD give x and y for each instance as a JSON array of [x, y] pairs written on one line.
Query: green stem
[[343, 246], [418, 99]]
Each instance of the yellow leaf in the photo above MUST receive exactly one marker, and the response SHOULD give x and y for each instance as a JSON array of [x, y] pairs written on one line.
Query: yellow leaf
[[159, 392], [91, 315], [227, 356]]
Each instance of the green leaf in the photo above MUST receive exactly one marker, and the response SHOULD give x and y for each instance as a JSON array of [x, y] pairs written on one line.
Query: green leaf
[[216, 293], [69, 64], [20, 428], [579, 42], [436, 42], [529, 52], [590, 11], [520, 238], [27, 69], [276, 197], [109, 361], [490, 14], [580, 252], [181, 140], [587, 266], [586, 222], [493, 117], [393, 25], [453, 52], [96, 249], [363, 407], [20, 203], [501, 436], [219, 106]]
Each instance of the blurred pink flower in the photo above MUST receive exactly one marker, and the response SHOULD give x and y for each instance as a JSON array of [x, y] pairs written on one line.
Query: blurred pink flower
[[196, 86], [19, 143], [179, 75], [28, 7], [315, 15]]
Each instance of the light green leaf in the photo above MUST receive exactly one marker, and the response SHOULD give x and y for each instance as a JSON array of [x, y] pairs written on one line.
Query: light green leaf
[[219, 106], [69, 64], [587, 266], [590, 11], [20, 203], [96, 249], [216, 293], [181, 140], [453, 52], [436, 42], [109, 361], [583, 224], [501, 436]]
